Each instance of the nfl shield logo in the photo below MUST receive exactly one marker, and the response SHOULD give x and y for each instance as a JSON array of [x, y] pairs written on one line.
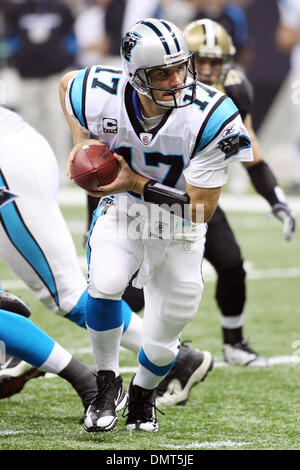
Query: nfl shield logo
[[145, 137]]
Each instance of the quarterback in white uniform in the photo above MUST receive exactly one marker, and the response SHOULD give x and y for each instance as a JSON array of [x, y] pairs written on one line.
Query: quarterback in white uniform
[[173, 139]]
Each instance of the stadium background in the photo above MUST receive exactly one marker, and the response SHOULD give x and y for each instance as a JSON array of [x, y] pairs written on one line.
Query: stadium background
[[236, 408]]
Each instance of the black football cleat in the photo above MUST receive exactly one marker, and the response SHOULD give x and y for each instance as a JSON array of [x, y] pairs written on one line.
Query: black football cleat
[[141, 409], [101, 414], [191, 367]]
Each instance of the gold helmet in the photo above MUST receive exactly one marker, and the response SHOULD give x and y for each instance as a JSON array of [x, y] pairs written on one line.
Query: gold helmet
[[206, 38]]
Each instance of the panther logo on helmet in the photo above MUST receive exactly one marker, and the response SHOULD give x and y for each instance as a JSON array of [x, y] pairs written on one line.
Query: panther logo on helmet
[[129, 41]]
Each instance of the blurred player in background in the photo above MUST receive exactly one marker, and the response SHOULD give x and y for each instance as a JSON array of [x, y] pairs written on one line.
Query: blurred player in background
[[36, 244], [213, 51], [288, 40], [187, 149], [233, 18]]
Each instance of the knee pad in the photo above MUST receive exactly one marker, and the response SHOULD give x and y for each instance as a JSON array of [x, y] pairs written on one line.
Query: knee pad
[[110, 285], [231, 290]]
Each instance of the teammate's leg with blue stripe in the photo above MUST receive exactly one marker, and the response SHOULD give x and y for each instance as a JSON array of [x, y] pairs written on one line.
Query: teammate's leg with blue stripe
[[21, 338]]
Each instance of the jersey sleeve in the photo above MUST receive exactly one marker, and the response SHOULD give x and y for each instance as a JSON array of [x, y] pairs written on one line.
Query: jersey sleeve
[[75, 98], [209, 165]]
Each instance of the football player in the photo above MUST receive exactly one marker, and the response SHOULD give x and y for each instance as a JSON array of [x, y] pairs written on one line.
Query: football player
[[173, 139], [213, 54], [213, 51], [37, 245]]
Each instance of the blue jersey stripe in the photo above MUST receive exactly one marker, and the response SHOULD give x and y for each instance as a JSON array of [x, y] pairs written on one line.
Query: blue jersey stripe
[[223, 113], [27, 246], [77, 96]]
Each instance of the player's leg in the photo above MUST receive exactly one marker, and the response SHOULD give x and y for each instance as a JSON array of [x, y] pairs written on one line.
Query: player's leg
[[35, 241], [171, 301], [23, 339], [14, 372], [113, 260], [223, 252]]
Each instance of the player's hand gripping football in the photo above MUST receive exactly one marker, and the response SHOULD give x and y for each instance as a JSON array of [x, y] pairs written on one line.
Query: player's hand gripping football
[[282, 212], [127, 180], [76, 149]]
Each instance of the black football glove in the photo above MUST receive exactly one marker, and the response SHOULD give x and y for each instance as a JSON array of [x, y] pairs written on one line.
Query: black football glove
[[282, 212]]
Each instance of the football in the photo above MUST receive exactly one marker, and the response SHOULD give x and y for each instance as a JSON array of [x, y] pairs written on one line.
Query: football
[[93, 166]]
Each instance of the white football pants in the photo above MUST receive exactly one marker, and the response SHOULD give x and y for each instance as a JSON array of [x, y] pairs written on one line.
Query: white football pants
[[34, 238], [172, 295]]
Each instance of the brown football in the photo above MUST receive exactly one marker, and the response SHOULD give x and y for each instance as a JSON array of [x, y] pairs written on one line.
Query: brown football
[[93, 166]]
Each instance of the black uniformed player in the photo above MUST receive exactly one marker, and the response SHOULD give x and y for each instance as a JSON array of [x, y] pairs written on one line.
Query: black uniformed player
[[213, 53]]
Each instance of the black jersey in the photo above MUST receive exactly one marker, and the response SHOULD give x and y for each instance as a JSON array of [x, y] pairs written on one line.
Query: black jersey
[[236, 85]]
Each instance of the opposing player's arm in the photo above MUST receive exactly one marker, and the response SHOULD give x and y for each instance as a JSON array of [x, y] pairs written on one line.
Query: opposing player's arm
[[265, 183], [80, 135]]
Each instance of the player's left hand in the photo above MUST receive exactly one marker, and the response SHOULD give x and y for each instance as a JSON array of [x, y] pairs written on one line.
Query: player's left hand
[[282, 212], [127, 180]]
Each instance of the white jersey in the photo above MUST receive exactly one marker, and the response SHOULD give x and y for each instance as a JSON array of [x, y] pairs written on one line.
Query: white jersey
[[10, 122], [192, 144], [289, 11]]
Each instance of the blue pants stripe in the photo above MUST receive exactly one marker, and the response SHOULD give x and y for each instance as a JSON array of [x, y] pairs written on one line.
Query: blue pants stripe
[[157, 370], [27, 246]]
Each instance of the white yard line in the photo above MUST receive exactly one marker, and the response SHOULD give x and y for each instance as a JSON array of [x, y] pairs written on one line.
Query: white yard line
[[273, 361], [208, 274]]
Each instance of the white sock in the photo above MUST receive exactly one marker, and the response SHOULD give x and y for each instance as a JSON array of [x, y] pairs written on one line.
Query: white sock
[[58, 359], [106, 346], [232, 322], [146, 379]]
